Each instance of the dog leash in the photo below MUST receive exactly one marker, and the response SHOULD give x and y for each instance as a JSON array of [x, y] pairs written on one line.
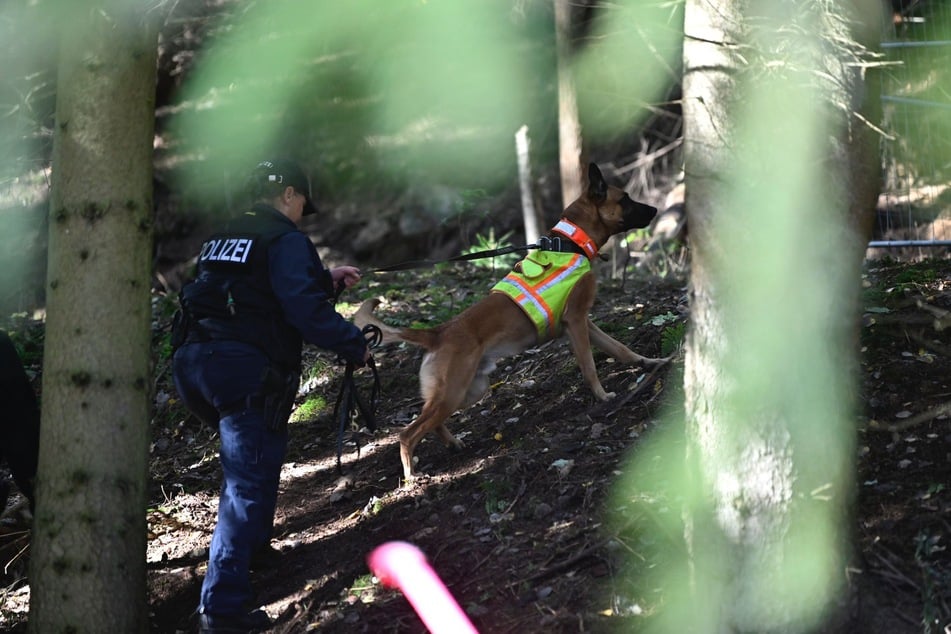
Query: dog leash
[[350, 396], [544, 243]]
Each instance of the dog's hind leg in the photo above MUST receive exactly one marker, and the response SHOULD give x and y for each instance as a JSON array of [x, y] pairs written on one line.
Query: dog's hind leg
[[478, 388], [431, 418], [447, 383], [614, 348]]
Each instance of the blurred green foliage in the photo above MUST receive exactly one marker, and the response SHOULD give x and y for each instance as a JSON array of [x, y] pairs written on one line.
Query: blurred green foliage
[[371, 93]]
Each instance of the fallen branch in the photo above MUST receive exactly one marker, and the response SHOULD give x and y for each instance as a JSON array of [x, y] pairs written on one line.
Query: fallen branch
[[567, 563], [893, 572], [26, 545], [924, 417], [612, 406]]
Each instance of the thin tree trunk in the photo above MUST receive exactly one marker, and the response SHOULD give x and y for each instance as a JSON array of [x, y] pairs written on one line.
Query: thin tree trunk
[[89, 540], [569, 125], [530, 216]]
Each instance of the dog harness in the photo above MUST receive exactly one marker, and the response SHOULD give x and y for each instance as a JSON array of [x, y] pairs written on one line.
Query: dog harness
[[540, 285]]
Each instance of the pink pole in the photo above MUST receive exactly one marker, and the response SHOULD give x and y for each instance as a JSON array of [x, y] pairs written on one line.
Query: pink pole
[[402, 565]]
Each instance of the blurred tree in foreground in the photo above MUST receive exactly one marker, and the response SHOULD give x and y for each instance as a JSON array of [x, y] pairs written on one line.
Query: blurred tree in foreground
[[782, 174], [412, 92]]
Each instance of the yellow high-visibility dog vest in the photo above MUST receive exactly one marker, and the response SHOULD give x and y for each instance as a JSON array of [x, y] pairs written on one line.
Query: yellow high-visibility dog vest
[[540, 284]]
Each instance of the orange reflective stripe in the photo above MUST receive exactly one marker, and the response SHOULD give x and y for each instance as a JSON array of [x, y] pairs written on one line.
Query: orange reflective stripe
[[539, 303], [529, 297]]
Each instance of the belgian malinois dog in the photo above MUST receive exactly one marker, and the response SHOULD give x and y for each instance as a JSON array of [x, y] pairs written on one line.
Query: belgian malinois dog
[[549, 293]]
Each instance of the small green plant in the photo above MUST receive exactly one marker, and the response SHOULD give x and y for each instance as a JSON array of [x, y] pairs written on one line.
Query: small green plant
[[319, 368], [363, 589], [490, 243], [165, 347], [917, 274], [496, 493], [934, 579], [666, 318], [164, 306], [637, 235], [912, 278], [28, 337], [672, 338]]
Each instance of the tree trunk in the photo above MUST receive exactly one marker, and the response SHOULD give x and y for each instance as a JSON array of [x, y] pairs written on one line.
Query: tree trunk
[[781, 179], [530, 219], [89, 538], [569, 126]]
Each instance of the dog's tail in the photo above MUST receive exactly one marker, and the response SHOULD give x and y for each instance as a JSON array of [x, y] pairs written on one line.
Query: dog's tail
[[418, 336]]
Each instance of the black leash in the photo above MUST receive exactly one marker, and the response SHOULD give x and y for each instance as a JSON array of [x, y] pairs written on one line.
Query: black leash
[[350, 396], [544, 243]]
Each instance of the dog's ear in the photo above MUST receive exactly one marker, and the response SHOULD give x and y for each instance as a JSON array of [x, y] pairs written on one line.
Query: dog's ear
[[597, 188]]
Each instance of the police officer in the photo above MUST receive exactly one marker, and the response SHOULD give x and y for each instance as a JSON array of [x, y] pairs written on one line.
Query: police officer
[[260, 291]]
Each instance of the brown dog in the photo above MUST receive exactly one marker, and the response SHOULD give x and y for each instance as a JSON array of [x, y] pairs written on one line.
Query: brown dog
[[462, 352]]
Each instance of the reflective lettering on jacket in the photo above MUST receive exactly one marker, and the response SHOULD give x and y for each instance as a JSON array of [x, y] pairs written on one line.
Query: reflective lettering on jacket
[[232, 298], [226, 250], [540, 284]]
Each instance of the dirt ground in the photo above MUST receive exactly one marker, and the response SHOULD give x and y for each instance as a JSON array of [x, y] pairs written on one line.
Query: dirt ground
[[519, 523]]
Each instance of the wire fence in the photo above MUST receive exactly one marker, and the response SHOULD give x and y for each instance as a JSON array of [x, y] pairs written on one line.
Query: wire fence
[[915, 205]]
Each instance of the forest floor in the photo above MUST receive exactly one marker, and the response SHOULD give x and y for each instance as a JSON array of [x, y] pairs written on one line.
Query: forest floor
[[530, 526]]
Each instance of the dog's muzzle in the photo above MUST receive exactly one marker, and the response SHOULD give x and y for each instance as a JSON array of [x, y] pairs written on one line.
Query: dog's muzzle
[[635, 215]]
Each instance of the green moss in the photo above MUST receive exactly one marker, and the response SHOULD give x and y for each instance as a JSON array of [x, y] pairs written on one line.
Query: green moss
[[309, 409]]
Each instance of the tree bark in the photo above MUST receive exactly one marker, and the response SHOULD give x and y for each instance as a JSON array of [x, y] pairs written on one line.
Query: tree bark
[[781, 177], [530, 216], [89, 538], [569, 125]]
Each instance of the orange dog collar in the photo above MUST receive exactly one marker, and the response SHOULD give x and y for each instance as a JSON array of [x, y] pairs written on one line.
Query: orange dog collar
[[577, 235]]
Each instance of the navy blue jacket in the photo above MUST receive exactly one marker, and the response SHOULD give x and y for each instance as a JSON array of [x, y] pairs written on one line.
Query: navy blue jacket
[[261, 281]]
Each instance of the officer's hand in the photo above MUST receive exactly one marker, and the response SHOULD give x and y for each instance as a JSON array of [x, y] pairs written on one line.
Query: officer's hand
[[349, 275]]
